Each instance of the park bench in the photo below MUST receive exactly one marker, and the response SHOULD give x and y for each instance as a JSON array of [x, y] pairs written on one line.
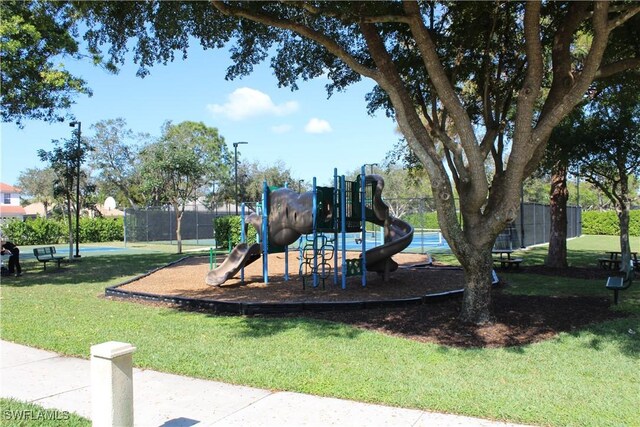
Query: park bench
[[46, 254], [608, 263], [612, 262], [508, 263], [620, 283], [505, 261]]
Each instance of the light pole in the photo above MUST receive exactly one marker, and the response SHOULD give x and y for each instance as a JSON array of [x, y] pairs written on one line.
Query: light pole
[[235, 163], [578, 213], [300, 181], [73, 124]]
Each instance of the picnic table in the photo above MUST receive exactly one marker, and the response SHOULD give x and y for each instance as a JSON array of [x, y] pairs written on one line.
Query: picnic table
[[504, 258], [612, 261]]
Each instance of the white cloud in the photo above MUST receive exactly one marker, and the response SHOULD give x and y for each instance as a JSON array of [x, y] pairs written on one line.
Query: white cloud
[[246, 102], [318, 126], [281, 128]]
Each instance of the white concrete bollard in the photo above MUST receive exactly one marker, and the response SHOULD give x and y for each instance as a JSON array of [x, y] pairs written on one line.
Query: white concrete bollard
[[112, 384]]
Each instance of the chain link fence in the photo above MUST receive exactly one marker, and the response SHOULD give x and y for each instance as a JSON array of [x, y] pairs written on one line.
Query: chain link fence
[[531, 227], [158, 225]]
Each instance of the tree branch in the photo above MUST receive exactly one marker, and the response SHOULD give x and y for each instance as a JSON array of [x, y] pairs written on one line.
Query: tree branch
[[620, 20], [555, 113], [528, 95], [563, 78], [438, 77], [303, 30], [609, 70], [386, 18], [489, 118], [395, 87]]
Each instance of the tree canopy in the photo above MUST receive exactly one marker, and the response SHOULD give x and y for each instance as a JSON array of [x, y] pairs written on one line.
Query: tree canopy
[[468, 83], [37, 186], [115, 157], [33, 36]]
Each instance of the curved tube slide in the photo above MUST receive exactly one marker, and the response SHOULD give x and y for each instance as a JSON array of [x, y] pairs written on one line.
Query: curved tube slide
[[398, 233]]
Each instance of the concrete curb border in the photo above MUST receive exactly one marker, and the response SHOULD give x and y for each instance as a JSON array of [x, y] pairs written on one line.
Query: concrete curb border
[[251, 308]]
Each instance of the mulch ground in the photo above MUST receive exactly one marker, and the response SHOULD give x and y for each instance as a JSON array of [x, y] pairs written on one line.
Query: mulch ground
[[518, 320]]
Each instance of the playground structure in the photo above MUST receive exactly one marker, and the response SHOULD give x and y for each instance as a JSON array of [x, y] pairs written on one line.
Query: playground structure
[[318, 219]]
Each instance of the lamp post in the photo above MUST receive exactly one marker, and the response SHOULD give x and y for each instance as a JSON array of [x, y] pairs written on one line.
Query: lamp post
[[300, 181], [73, 124], [578, 214], [235, 162]]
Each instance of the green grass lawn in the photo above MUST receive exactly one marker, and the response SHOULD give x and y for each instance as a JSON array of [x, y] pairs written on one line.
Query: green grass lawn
[[588, 377], [21, 414]]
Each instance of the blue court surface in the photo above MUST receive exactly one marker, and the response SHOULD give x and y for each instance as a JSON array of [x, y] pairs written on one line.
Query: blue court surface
[[422, 241], [26, 252]]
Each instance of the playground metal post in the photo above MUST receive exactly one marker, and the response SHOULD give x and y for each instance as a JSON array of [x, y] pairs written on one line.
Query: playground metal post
[[336, 202], [286, 253], [314, 217], [343, 229], [265, 232], [363, 195], [243, 239]]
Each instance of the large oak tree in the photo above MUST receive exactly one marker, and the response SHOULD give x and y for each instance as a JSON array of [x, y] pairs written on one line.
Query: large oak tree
[[456, 76]]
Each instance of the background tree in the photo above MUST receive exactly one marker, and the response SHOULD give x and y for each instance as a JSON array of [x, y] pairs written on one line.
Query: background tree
[[402, 186], [611, 131], [32, 35], [37, 186], [454, 75], [251, 175], [187, 157], [562, 151], [63, 160], [115, 157]]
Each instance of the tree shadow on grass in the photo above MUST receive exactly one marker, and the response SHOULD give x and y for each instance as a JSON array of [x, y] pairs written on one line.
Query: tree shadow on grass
[[520, 320], [94, 269], [260, 327]]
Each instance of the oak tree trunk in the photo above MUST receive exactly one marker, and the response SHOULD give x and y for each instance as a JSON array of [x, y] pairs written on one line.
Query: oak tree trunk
[[476, 304], [557, 254], [178, 228]]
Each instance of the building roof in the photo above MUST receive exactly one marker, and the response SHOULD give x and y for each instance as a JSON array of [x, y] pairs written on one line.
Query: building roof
[[35, 209], [6, 188], [10, 210]]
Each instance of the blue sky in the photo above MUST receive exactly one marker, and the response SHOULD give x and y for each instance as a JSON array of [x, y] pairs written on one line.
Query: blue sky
[[310, 133]]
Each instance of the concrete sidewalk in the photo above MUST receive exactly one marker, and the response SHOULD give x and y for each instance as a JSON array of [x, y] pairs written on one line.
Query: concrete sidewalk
[[160, 399]]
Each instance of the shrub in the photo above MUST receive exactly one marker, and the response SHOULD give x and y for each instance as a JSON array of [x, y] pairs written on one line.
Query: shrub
[[46, 231], [41, 231], [607, 223], [15, 231], [101, 229], [426, 220], [228, 228], [37, 231]]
